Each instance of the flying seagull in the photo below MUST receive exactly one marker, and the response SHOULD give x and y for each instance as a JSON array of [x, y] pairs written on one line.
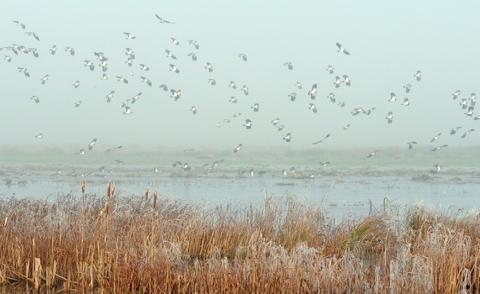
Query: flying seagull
[[194, 110], [338, 81], [173, 68], [292, 96], [174, 41], [129, 36], [89, 64], [389, 117], [341, 49], [193, 56], [435, 138], [20, 24], [144, 67], [70, 51], [35, 99], [313, 92], [406, 102], [330, 69], [455, 94], [122, 79], [34, 52], [464, 135], [169, 54], [288, 64], [114, 148], [244, 90], [418, 75], [454, 130], [209, 67], [175, 94], [194, 43], [238, 148], [44, 79], [146, 80], [109, 96], [162, 20], [92, 144], [232, 85], [24, 70], [242, 56], [437, 148], [321, 140], [248, 124], [411, 144], [331, 97], [33, 34], [393, 97], [127, 110], [324, 163]]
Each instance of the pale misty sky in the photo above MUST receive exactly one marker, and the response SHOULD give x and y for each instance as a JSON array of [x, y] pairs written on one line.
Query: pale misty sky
[[388, 42]]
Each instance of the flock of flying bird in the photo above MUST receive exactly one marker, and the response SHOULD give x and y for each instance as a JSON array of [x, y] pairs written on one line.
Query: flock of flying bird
[[101, 64]]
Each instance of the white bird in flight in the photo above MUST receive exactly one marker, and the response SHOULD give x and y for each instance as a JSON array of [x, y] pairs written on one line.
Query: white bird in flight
[[242, 56], [194, 43], [209, 67], [129, 36], [418, 75], [162, 20], [289, 65], [313, 92], [44, 79], [70, 51], [342, 49], [173, 68], [330, 69], [35, 99]]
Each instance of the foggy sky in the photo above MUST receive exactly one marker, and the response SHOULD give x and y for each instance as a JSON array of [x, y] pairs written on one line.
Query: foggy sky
[[388, 42]]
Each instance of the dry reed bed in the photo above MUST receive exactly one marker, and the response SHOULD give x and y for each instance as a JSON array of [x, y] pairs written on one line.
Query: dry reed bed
[[155, 245]]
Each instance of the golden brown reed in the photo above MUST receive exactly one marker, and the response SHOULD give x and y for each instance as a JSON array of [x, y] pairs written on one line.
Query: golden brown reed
[[156, 245]]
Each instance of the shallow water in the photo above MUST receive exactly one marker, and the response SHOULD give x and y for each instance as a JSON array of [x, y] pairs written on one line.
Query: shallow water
[[343, 191]]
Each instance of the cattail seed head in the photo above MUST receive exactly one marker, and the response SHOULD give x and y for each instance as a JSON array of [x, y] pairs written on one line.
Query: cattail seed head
[[82, 186], [155, 195], [145, 195]]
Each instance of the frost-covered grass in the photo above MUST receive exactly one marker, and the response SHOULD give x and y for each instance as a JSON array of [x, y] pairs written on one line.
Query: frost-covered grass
[[155, 245]]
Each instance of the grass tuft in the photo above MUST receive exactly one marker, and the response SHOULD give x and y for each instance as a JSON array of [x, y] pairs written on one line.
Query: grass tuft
[[154, 245]]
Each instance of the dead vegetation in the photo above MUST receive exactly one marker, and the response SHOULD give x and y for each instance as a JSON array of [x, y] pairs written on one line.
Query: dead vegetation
[[155, 245]]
